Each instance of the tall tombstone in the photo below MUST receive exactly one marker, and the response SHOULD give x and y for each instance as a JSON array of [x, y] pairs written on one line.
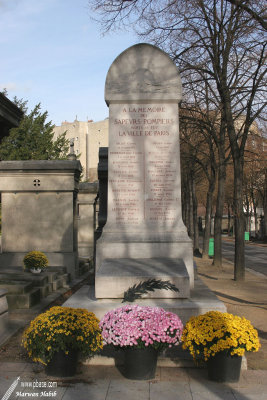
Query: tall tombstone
[[144, 236]]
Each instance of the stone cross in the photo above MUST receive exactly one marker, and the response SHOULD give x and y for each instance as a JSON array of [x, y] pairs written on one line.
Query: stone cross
[[72, 155]]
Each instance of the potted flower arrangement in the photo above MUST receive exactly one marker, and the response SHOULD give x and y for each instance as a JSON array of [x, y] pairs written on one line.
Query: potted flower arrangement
[[58, 336], [221, 340], [142, 332], [35, 261]]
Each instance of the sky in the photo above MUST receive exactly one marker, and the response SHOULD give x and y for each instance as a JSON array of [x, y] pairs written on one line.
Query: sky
[[53, 53]]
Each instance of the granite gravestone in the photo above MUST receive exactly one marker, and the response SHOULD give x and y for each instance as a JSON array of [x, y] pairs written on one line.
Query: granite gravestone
[[144, 236]]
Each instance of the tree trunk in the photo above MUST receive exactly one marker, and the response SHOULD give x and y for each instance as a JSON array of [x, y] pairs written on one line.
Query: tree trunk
[[239, 274], [255, 214], [247, 214], [187, 205], [265, 207], [207, 230], [256, 222], [195, 220], [184, 202], [229, 220], [217, 260], [190, 210]]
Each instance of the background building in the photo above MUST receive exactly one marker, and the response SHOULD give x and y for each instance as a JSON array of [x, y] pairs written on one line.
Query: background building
[[10, 115], [87, 137]]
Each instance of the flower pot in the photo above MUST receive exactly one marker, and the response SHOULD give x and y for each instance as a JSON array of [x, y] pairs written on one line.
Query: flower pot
[[63, 364], [140, 364], [224, 368], [36, 270]]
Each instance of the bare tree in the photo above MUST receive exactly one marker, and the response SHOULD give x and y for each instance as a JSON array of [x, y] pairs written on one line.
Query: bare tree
[[190, 148], [198, 149], [255, 164], [220, 41], [255, 9]]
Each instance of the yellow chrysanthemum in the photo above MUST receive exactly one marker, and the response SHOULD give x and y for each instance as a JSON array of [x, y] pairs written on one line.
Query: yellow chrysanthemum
[[62, 328], [214, 331]]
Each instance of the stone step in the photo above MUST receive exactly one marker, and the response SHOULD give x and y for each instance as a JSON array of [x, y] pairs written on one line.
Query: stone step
[[46, 290], [66, 279], [25, 300], [57, 284], [51, 275], [11, 270], [25, 289], [16, 286], [58, 269], [201, 300], [24, 282], [36, 279]]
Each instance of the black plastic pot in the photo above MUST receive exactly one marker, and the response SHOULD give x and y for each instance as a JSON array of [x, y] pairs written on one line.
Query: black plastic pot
[[62, 364], [140, 364], [224, 367]]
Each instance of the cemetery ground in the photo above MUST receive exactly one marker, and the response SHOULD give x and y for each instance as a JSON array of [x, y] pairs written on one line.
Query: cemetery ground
[[246, 299]]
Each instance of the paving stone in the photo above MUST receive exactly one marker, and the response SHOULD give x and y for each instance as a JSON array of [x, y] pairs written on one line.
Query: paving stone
[[128, 389], [170, 391], [16, 367], [209, 386], [174, 374], [213, 396], [248, 395], [95, 391]]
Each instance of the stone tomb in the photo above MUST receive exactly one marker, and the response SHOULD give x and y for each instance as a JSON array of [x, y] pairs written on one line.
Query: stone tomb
[[144, 236], [39, 211]]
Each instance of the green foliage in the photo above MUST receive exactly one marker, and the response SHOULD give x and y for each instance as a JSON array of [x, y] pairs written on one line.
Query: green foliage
[[21, 104], [35, 259], [4, 92], [136, 291], [33, 140]]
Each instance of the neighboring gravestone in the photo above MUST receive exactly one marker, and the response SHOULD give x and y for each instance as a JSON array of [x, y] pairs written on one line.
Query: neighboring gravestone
[[144, 236], [86, 219], [39, 211]]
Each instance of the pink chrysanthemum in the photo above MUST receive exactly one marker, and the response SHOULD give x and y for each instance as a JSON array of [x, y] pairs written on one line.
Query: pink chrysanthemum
[[134, 325]]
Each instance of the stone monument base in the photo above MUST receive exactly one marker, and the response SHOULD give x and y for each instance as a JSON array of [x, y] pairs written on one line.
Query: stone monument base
[[116, 275], [201, 300], [151, 255]]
